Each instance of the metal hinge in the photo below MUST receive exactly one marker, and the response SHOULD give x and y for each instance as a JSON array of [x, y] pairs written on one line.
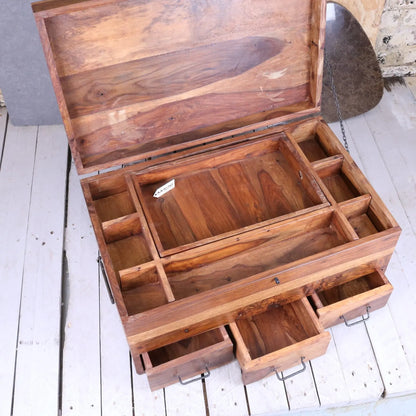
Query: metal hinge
[[105, 277]]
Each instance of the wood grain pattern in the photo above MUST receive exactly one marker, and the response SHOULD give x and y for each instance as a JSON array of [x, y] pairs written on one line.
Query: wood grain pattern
[[277, 339], [164, 75], [243, 186], [217, 307], [275, 329], [128, 87], [188, 358], [255, 257], [352, 298]]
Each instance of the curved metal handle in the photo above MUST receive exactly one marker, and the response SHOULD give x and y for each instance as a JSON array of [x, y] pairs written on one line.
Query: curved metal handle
[[367, 310], [201, 377], [283, 378]]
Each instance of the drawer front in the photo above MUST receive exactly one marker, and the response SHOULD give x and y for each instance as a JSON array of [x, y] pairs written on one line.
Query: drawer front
[[353, 306], [272, 341], [188, 365]]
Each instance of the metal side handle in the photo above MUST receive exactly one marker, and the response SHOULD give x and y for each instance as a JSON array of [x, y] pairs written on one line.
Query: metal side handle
[[363, 318], [283, 378], [107, 284], [201, 377]]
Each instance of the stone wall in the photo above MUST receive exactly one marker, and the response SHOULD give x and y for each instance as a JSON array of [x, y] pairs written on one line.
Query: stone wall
[[396, 40], [391, 28]]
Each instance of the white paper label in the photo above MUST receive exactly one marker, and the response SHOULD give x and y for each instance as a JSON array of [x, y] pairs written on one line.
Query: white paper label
[[164, 188]]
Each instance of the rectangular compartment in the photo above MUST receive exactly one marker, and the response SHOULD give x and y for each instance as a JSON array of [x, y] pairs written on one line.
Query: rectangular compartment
[[313, 148], [277, 339], [188, 358], [351, 299], [111, 198], [141, 289], [363, 218], [254, 252], [226, 192]]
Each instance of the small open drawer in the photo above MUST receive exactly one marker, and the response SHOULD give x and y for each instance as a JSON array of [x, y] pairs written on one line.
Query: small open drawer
[[278, 339], [349, 300], [180, 361]]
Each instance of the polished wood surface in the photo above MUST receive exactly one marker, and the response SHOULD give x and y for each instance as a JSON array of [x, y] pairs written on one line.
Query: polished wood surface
[[188, 358], [278, 339], [232, 276], [136, 78]]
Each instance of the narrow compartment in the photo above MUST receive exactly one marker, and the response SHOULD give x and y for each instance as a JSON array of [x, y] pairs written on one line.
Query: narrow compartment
[[226, 191], [111, 197], [252, 253], [349, 289], [128, 250], [313, 148], [187, 346], [142, 291], [338, 183], [361, 215]]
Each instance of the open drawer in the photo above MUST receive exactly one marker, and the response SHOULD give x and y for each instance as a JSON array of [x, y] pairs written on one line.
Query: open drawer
[[190, 357], [278, 339], [342, 302]]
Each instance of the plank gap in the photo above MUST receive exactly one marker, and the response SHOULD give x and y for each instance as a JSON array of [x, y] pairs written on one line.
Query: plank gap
[[4, 139], [64, 310]]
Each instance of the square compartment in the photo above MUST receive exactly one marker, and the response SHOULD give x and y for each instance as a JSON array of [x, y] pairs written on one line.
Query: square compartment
[[313, 149], [276, 340], [142, 290]]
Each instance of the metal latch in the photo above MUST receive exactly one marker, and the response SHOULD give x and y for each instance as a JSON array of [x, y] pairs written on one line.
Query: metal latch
[[105, 277]]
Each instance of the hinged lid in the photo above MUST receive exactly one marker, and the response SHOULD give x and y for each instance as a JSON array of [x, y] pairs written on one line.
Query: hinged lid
[[137, 78]]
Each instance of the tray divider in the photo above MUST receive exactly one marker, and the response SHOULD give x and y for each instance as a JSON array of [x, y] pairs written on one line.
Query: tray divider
[[344, 226], [328, 166], [149, 240], [355, 206]]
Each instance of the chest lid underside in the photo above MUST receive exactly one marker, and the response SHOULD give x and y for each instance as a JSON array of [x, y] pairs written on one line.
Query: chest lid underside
[[136, 78]]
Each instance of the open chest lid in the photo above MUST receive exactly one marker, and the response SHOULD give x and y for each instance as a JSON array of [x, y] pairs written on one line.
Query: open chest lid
[[138, 78]]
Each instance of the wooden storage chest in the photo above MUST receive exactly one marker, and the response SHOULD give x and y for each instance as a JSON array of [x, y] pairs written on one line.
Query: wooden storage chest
[[235, 214]]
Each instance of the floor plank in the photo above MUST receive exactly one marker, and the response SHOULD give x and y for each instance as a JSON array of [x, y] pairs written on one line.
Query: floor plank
[[185, 400], [329, 378], [382, 330], [267, 396], [146, 402], [359, 366], [225, 391], [37, 368], [15, 190], [301, 389], [81, 379], [116, 383]]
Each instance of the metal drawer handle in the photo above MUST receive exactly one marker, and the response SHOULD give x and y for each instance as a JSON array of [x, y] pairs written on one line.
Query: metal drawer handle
[[201, 377], [283, 378], [364, 318]]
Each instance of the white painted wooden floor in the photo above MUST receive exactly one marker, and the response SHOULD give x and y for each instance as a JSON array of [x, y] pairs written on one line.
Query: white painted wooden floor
[[62, 347]]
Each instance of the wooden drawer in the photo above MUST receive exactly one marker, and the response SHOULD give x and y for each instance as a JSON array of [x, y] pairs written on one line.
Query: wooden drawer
[[187, 358], [351, 299], [278, 339]]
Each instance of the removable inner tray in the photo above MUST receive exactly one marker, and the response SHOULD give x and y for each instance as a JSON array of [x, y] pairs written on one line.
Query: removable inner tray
[[226, 192]]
